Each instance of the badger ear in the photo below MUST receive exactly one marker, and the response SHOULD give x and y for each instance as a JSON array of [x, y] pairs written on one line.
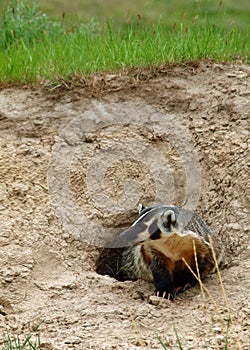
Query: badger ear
[[140, 207], [168, 220]]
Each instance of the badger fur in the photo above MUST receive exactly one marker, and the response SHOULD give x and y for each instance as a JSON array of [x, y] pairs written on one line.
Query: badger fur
[[160, 245]]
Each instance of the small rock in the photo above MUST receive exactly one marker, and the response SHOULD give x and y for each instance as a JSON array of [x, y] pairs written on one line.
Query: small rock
[[20, 188], [73, 340], [220, 338], [193, 106], [2, 310], [154, 300], [217, 329], [234, 227]]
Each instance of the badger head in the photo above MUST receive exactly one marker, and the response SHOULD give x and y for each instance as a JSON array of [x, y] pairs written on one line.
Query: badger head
[[153, 222]]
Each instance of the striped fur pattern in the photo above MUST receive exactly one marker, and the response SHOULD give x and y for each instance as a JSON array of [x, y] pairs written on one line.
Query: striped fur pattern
[[158, 241]]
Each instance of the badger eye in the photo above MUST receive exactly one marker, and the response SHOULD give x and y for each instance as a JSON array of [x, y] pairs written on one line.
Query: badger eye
[[156, 235]]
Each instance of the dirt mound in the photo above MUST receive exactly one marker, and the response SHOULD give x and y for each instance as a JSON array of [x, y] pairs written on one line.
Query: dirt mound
[[47, 274]]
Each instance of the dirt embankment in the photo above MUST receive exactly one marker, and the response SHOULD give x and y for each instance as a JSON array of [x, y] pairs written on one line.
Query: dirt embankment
[[47, 275]]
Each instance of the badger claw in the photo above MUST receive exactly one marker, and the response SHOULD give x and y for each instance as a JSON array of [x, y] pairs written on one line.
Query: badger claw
[[187, 286], [180, 289], [164, 295]]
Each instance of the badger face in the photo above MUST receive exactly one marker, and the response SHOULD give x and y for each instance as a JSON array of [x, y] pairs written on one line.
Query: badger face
[[153, 222]]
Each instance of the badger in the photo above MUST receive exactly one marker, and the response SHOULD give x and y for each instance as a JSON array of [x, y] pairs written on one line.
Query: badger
[[165, 245]]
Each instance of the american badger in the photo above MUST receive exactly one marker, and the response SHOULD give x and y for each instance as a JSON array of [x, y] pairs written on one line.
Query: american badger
[[158, 243]]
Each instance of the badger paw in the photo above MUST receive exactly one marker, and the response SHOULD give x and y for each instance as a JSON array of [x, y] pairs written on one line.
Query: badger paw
[[164, 294], [180, 289]]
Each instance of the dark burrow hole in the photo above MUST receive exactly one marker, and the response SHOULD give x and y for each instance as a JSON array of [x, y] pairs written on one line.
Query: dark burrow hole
[[109, 263]]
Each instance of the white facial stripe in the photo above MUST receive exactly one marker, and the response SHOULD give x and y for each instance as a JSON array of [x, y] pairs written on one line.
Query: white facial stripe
[[154, 208], [140, 218]]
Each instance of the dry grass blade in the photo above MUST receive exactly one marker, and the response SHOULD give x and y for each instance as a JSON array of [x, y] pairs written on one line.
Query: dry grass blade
[[219, 276], [137, 331], [198, 271], [204, 288], [229, 321]]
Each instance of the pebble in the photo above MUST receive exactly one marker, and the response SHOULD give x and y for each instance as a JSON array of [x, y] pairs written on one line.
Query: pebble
[[220, 338], [154, 300], [217, 329], [73, 340], [20, 188]]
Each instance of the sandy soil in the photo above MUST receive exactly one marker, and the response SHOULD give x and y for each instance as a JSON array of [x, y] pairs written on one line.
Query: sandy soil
[[47, 274]]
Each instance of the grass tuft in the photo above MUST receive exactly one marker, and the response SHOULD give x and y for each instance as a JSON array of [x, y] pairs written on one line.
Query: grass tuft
[[15, 342], [21, 22]]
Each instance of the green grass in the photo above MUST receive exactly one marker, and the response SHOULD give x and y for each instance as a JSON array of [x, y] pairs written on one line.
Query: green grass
[[35, 48], [223, 12], [29, 343]]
